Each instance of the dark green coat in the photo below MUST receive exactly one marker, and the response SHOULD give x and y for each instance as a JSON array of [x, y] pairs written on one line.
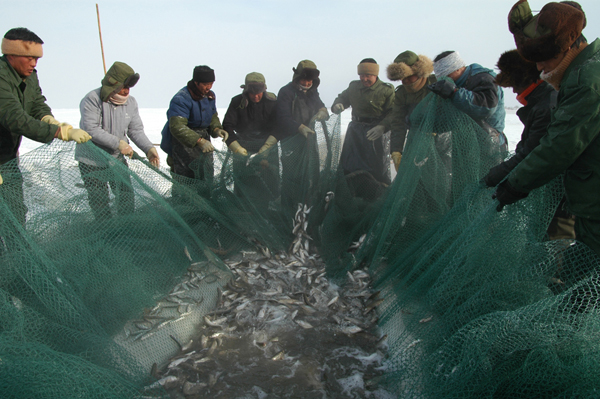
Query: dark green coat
[[22, 106], [367, 102], [572, 143], [404, 103]]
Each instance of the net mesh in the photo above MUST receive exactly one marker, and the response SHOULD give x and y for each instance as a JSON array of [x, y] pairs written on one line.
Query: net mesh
[[476, 303]]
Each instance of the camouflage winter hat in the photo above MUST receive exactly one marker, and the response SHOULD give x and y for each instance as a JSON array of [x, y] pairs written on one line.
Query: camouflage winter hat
[[119, 75], [254, 83], [549, 33], [407, 64]]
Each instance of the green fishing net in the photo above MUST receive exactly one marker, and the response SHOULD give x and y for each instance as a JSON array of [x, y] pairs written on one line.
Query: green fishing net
[[476, 303]]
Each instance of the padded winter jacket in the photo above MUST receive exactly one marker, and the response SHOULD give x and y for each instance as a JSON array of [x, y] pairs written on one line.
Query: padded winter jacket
[[373, 102], [572, 143], [291, 104], [245, 120], [480, 97], [22, 106]]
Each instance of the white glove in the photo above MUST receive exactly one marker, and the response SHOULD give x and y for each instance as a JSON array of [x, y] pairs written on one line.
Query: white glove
[[322, 115], [337, 108], [376, 132], [125, 148], [153, 157], [205, 145], [305, 130], [221, 133]]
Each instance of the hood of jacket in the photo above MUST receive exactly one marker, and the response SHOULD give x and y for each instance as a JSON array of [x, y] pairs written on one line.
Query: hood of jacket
[[118, 76]]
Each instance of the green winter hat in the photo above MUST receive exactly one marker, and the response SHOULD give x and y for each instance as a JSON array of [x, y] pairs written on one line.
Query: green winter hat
[[409, 63], [407, 57], [306, 69], [254, 83], [118, 76]]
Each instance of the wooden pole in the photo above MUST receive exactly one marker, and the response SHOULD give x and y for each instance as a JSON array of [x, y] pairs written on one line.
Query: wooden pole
[[100, 32]]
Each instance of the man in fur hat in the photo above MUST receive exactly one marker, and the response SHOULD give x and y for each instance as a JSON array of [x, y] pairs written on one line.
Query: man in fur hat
[[553, 40], [538, 98], [24, 112], [112, 117], [298, 107], [473, 90], [192, 120], [415, 72], [250, 122], [371, 100]]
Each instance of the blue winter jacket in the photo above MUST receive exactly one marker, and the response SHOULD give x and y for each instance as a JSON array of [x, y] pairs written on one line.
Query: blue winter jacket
[[480, 97], [198, 113]]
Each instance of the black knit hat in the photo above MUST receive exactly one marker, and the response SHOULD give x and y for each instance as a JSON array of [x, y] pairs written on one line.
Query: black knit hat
[[203, 74]]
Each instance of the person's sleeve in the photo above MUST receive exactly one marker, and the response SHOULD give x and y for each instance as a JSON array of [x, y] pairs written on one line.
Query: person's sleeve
[[538, 122], [285, 121], [387, 110], [343, 98], [482, 101], [215, 123], [39, 108], [230, 122], [14, 118], [135, 129], [91, 121], [575, 124], [178, 114]]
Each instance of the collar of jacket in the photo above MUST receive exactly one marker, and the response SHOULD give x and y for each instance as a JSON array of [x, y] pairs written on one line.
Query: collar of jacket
[[196, 95], [374, 86], [17, 78], [522, 98]]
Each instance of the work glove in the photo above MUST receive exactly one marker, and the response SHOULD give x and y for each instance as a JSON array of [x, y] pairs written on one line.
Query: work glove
[[221, 133], [337, 108], [152, 156], [507, 194], [305, 130], [50, 119], [270, 142], [68, 133], [322, 115], [375, 133], [125, 148], [496, 175], [236, 148], [443, 88], [1, 181], [396, 157], [205, 145]]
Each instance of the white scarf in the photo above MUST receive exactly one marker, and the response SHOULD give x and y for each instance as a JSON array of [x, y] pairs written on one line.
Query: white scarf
[[118, 99]]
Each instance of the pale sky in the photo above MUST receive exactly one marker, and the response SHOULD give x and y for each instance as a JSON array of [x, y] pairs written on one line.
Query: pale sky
[[163, 40]]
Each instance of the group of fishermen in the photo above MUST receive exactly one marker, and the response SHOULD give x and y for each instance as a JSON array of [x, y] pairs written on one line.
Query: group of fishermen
[[560, 114]]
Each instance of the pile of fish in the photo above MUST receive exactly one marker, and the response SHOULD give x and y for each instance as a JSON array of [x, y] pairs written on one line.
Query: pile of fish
[[281, 329]]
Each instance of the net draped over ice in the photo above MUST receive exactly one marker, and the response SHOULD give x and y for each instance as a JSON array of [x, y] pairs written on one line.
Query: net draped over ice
[[474, 302]]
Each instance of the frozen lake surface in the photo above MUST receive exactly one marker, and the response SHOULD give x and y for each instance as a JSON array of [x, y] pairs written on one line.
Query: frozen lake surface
[[155, 118]]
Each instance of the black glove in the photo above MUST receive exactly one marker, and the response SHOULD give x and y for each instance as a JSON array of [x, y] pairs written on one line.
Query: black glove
[[506, 194], [443, 88], [496, 175]]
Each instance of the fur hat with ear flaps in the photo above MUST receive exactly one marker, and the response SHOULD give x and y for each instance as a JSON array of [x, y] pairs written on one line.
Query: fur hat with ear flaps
[[408, 64], [515, 71], [549, 33]]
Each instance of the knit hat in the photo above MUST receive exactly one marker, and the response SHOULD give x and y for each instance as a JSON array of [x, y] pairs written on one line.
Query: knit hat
[[203, 74], [27, 48], [254, 83], [368, 66], [549, 33], [118, 76], [448, 64], [306, 69], [407, 64], [515, 71]]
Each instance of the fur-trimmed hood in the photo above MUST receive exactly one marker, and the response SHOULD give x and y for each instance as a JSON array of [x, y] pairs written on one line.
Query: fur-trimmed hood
[[422, 67]]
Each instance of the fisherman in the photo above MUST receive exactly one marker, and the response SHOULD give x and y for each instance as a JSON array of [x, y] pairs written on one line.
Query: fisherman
[[416, 73], [24, 112], [371, 100], [111, 116], [538, 98], [472, 90], [250, 121], [191, 120], [553, 40], [298, 107]]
